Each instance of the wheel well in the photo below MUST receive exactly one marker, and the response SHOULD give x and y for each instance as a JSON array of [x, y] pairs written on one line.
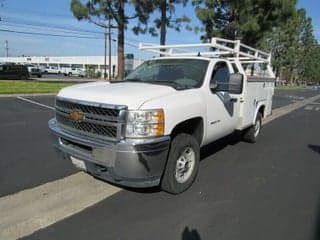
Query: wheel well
[[261, 110], [192, 126]]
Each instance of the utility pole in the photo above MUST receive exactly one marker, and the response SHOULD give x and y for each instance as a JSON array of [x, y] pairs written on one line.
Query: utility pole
[[109, 35], [105, 55], [6, 47]]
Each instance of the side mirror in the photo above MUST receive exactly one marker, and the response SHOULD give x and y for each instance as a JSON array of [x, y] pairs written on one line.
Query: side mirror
[[235, 83], [213, 86]]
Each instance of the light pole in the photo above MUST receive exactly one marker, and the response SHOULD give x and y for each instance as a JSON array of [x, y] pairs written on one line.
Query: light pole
[[6, 46], [109, 35], [105, 55]]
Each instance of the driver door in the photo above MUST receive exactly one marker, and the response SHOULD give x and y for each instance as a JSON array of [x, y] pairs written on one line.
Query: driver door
[[222, 107]]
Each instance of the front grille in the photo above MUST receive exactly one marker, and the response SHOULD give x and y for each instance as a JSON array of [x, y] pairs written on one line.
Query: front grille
[[88, 109], [100, 121]]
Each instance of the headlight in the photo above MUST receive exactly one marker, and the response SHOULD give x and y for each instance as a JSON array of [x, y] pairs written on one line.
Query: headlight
[[145, 123]]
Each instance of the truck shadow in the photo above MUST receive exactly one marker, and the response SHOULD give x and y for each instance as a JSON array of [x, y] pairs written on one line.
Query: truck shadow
[[317, 223], [314, 148], [206, 151], [220, 144]]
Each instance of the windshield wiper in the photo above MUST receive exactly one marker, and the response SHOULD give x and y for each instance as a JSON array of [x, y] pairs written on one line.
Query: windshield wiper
[[161, 82], [171, 84], [133, 80]]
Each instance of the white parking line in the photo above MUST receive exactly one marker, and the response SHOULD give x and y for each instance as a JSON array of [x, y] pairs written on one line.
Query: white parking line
[[308, 108], [27, 211], [36, 103]]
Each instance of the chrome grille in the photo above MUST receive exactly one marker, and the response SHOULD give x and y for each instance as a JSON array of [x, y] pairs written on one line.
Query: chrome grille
[[100, 120]]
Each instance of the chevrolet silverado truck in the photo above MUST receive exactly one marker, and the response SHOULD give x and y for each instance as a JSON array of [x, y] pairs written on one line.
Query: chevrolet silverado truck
[[147, 130]]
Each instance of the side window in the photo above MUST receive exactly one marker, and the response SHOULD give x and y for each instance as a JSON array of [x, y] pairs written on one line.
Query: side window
[[220, 76]]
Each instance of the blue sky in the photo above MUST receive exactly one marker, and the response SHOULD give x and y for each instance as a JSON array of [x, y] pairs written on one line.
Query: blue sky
[[54, 17]]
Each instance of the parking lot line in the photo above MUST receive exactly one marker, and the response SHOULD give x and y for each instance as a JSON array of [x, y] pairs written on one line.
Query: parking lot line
[[23, 213], [36, 103]]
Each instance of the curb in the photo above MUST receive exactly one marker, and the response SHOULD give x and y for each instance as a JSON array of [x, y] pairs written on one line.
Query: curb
[[27, 95], [279, 112]]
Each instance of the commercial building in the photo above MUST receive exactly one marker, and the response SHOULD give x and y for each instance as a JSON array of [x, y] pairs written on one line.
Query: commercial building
[[83, 62]]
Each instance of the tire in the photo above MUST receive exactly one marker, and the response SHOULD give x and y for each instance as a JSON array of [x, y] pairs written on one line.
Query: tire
[[251, 134], [70, 74], [23, 77], [182, 164]]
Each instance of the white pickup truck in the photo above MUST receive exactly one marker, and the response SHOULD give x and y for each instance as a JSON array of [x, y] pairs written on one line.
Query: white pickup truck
[[148, 129], [70, 71]]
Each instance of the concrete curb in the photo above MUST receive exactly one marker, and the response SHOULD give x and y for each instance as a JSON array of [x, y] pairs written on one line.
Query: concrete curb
[[27, 95], [282, 111]]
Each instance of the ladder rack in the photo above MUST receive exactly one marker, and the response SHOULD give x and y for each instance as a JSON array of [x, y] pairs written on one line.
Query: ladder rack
[[233, 50]]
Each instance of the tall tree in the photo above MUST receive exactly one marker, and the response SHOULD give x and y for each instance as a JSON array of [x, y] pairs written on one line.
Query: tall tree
[[309, 50], [167, 18], [247, 20], [99, 11], [294, 48]]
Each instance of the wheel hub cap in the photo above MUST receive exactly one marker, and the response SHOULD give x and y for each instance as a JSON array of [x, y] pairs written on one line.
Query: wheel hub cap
[[185, 165]]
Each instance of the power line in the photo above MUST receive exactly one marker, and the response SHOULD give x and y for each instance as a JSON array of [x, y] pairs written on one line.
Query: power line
[[50, 35], [47, 28], [37, 24]]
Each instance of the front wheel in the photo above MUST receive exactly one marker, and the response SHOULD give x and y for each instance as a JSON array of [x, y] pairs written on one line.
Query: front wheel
[[182, 165], [251, 134]]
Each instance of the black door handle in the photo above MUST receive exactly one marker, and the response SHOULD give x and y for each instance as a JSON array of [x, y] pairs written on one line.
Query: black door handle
[[234, 100]]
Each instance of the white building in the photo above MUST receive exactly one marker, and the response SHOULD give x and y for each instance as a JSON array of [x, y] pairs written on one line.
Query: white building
[[74, 61]]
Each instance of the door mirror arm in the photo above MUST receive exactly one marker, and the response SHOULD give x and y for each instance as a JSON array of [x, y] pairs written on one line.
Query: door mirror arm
[[213, 87]]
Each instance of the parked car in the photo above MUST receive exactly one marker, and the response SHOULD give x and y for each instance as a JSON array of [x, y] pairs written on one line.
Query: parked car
[[34, 71], [52, 70], [12, 71], [79, 72], [148, 129]]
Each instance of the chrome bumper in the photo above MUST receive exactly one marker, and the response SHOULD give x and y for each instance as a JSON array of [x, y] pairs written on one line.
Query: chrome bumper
[[132, 163]]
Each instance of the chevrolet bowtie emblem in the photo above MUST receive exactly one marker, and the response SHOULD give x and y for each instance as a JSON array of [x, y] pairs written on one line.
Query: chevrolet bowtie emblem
[[77, 116]]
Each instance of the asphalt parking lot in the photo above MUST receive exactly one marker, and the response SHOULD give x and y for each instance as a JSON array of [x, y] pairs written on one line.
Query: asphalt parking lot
[[270, 190], [27, 160]]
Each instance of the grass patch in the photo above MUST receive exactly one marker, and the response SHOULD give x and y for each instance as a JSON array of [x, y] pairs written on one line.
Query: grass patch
[[15, 87], [290, 87]]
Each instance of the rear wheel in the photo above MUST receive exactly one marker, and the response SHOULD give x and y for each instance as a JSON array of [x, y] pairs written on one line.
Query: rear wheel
[[251, 134], [23, 77], [182, 165]]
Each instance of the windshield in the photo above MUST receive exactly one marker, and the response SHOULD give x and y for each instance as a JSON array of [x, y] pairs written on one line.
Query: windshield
[[177, 73]]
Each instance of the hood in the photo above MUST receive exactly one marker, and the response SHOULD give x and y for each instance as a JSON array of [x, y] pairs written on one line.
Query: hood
[[130, 94]]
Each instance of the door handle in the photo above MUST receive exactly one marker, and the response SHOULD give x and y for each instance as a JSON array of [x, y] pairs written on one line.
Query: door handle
[[234, 100]]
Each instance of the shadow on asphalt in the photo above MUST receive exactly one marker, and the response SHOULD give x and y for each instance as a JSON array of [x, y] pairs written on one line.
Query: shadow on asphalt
[[314, 148], [317, 223], [220, 144], [190, 234], [206, 151]]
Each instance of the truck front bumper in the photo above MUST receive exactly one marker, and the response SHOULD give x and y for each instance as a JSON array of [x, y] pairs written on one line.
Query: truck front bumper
[[132, 163]]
